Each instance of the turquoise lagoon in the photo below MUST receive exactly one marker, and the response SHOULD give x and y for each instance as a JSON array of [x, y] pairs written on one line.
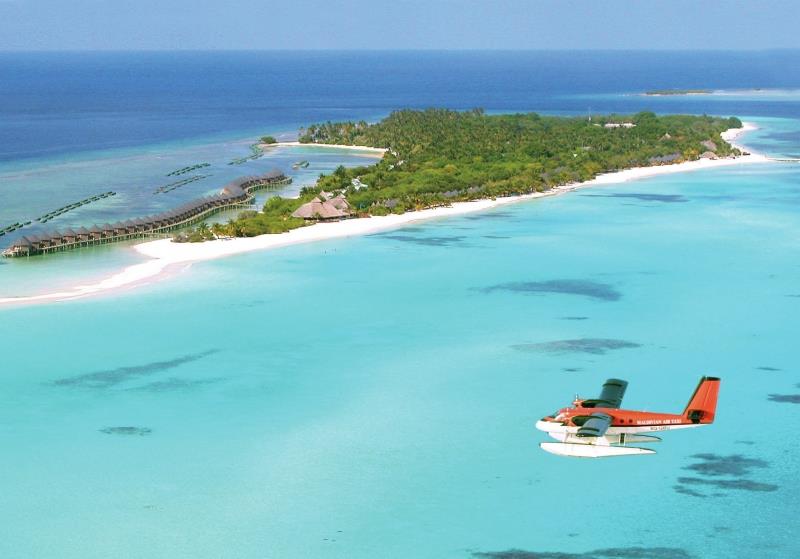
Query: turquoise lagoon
[[376, 396]]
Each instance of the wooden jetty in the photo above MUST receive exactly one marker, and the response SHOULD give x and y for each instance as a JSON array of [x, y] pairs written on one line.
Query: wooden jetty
[[236, 194]]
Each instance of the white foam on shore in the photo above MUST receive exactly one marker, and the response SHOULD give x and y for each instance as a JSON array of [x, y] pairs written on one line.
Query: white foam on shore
[[166, 255]]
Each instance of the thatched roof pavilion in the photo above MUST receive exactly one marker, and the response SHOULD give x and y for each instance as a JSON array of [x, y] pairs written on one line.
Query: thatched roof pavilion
[[340, 203], [317, 209]]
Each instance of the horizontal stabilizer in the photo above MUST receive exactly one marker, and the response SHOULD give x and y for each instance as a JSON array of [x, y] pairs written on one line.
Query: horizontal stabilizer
[[592, 450]]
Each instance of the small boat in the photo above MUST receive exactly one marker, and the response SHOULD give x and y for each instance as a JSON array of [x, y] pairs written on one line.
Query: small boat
[[300, 164]]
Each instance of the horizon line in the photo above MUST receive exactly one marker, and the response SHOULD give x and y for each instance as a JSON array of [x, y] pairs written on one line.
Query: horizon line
[[390, 50]]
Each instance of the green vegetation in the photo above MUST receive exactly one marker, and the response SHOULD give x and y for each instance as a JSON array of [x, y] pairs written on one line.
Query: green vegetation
[[678, 92], [197, 235], [440, 156], [268, 140]]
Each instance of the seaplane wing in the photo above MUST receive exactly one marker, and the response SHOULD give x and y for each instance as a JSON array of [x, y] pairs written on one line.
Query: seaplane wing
[[595, 426], [600, 427], [611, 395]]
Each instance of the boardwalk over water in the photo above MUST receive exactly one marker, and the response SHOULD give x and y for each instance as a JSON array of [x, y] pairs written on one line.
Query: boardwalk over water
[[237, 194]]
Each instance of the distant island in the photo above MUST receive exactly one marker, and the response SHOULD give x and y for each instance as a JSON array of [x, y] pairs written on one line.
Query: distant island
[[658, 92], [437, 156]]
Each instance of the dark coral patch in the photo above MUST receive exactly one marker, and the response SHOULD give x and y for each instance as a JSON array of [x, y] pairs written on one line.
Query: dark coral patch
[[715, 467], [765, 368], [574, 318], [785, 398], [443, 241], [174, 384], [608, 553], [732, 465], [127, 431], [645, 197], [585, 288], [594, 346], [688, 491], [489, 215], [112, 377], [739, 484]]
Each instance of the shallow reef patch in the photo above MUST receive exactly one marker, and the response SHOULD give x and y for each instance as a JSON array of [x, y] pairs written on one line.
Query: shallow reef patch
[[489, 215], [644, 196], [784, 398], [585, 288], [443, 241], [173, 384], [716, 465], [607, 553], [741, 484], [726, 473], [127, 431], [112, 377], [594, 346], [766, 368]]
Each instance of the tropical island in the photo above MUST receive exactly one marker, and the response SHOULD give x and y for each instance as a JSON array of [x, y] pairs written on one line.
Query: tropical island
[[436, 157], [659, 92]]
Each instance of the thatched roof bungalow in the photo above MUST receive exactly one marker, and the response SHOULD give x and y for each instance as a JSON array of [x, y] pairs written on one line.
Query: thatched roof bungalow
[[340, 203], [68, 235], [22, 246], [316, 209]]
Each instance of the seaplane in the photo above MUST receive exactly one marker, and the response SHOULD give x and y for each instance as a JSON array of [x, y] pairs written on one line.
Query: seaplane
[[599, 428]]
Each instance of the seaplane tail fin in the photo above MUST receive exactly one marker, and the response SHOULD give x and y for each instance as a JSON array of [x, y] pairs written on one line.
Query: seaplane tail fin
[[703, 404]]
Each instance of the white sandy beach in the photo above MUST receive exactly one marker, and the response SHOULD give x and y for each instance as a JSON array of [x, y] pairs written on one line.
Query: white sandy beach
[[165, 255], [376, 151]]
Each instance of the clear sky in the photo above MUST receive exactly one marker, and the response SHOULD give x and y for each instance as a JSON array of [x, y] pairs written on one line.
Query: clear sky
[[397, 24]]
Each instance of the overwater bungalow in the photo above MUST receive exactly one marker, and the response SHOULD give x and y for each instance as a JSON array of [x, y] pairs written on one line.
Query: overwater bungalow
[[233, 194], [54, 238], [35, 241], [69, 236], [96, 232], [83, 234], [22, 246]]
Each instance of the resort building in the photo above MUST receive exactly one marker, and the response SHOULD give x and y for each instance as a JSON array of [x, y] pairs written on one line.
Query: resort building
[[324, 208], [237, 193]]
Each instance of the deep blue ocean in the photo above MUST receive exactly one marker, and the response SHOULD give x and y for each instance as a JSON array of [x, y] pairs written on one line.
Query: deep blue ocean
[[73, 102], [376, 396]]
